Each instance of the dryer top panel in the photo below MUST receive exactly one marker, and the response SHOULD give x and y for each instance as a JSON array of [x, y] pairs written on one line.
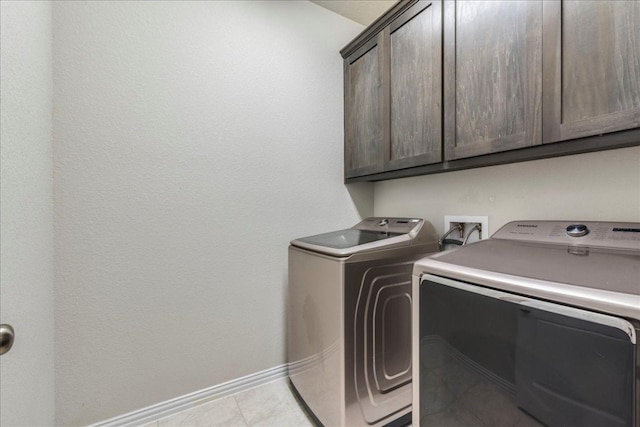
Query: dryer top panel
[[610, 235], [369, 235], [591, 264]]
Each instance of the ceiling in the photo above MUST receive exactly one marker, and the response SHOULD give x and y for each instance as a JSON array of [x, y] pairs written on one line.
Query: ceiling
[[362, 11]]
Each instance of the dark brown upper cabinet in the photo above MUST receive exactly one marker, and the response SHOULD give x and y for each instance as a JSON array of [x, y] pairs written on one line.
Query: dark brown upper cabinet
[[415, 72], [440, 86], [591, 68], [493, 76], [363, 108], [393, 92]]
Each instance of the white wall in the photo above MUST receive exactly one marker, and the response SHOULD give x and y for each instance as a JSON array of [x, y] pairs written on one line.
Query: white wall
[[26, 213], [603, 186], [192, 141]]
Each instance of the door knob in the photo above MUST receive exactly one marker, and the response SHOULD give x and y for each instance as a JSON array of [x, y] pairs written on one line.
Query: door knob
[[7, 335]]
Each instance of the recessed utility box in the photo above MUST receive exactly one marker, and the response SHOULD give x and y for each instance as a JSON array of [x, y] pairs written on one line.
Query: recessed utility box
[[474, 228]]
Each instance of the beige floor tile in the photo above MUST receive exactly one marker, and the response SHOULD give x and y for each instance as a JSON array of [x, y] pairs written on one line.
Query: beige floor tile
[[219, 413], [272, 405]]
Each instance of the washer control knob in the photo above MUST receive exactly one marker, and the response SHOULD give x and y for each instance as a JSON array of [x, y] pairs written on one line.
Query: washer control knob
[[577, 230], [383, 222]]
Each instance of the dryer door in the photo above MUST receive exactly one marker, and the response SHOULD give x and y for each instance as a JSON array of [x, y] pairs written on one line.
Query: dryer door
[[492, 358]]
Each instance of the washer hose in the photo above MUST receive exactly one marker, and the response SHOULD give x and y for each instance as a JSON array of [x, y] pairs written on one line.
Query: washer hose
[[444, 241], [476, 227]]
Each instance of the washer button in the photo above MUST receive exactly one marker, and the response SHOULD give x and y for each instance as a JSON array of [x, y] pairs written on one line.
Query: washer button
[[577, 230]]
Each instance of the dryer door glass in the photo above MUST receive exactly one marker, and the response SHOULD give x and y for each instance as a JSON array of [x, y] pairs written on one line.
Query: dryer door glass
[[492, 358]]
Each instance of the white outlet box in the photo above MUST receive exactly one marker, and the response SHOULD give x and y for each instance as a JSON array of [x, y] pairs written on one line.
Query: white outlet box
[[469, 222]]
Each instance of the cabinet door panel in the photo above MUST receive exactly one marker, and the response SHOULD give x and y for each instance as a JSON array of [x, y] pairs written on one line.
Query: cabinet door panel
[[595, 83], [363, 113], [493, 76], [416, 87]]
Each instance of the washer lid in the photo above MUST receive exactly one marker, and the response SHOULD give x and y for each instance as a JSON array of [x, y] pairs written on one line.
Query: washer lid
[[343, 239], [368, 235], [346, 242]]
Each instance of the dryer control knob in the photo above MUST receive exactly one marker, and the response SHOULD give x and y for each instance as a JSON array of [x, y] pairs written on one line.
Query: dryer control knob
[[577, 230], [383, 222]]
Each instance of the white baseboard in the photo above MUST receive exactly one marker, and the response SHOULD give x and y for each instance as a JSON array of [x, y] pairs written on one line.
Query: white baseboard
[[169, 407]]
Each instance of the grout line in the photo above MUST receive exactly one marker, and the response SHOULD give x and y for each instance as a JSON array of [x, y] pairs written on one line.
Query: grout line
[[244, 418]]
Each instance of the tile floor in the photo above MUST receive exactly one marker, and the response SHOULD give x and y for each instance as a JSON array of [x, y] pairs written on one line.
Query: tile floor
[[269, 405]]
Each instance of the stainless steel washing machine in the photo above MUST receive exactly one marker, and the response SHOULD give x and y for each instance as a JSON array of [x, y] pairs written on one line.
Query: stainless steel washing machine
[[537, 325], [349, 320]]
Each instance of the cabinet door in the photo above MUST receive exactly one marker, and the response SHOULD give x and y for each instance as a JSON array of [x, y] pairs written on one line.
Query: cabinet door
[[415, 69], [592, 68], [493, 76], [364, 127]]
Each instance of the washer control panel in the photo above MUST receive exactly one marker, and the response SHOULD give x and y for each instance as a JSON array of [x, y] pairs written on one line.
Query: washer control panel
[[613, 235], [390, 225]]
